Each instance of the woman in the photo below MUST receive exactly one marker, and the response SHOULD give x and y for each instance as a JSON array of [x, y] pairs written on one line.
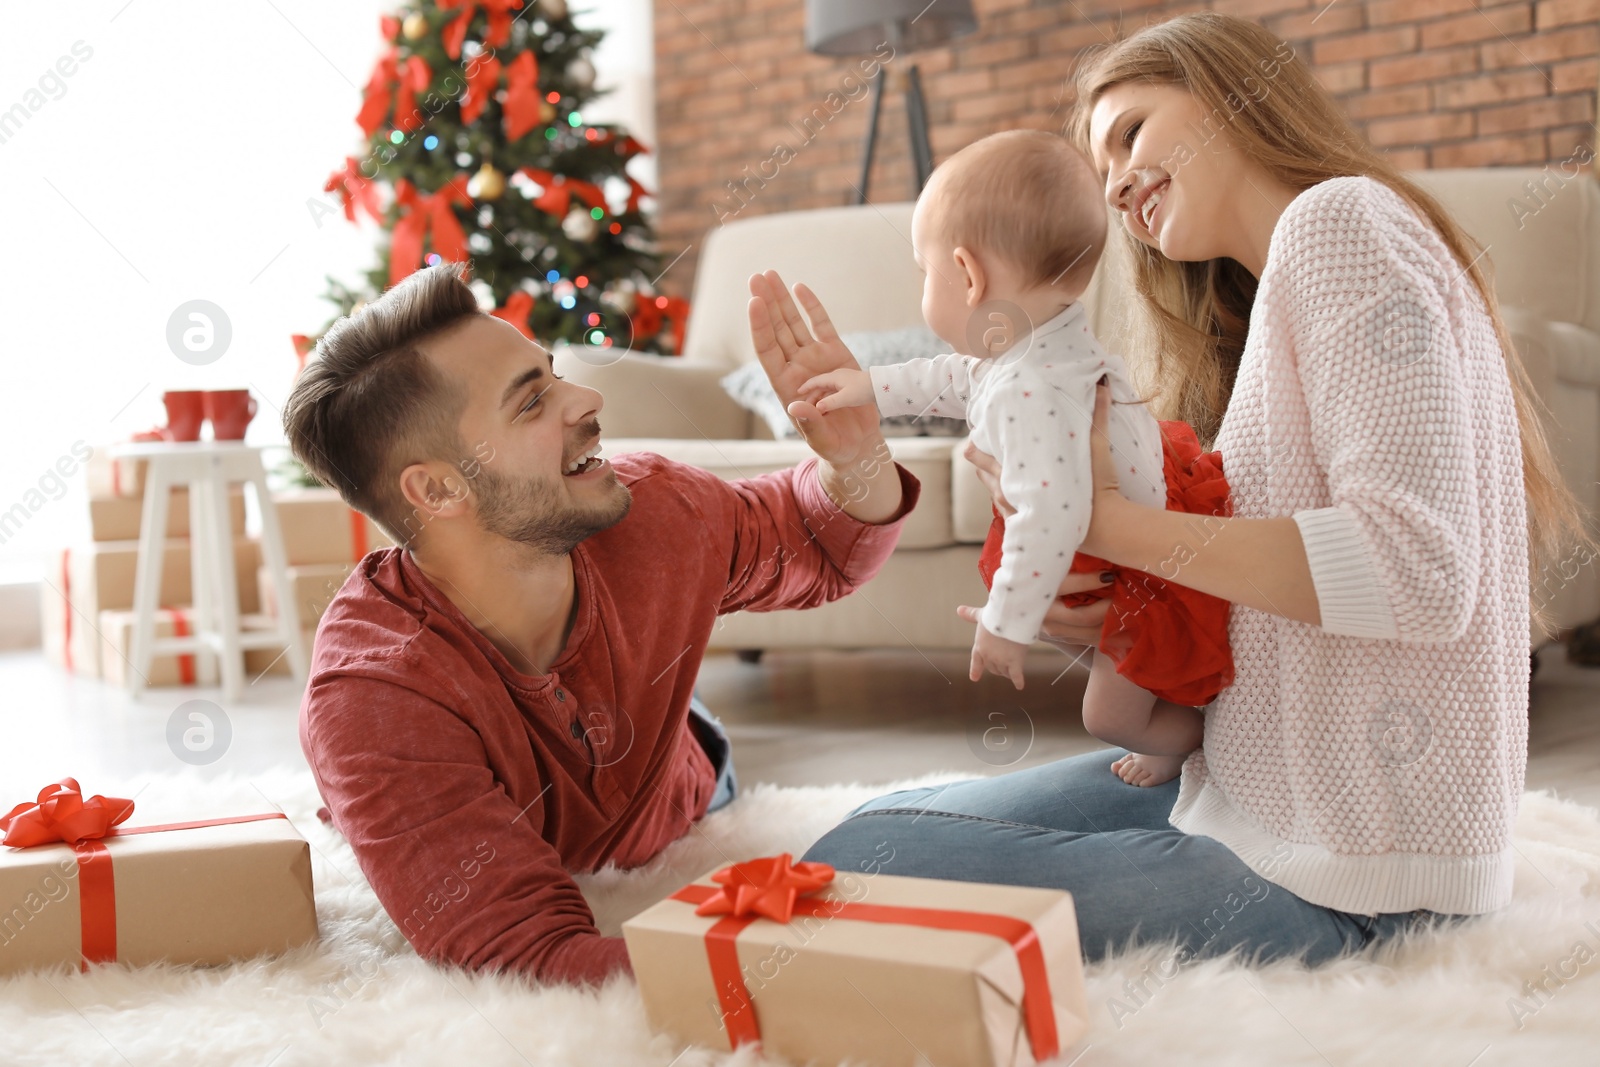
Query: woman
[[1327, 325]]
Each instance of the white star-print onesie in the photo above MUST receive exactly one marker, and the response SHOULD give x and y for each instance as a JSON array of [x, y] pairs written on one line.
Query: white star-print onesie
[[1032, 408]]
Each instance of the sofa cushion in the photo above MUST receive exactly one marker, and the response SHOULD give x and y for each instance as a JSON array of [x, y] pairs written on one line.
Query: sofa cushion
[[927, 458]]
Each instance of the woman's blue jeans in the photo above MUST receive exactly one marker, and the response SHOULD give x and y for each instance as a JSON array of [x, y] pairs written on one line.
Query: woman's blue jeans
[[1075, 825]]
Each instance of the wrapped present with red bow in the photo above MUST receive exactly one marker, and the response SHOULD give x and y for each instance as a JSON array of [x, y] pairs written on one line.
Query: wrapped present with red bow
[[80, 885], [869, 967]]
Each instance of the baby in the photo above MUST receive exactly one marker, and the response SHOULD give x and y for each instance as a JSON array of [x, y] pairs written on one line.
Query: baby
[[1008, 232]]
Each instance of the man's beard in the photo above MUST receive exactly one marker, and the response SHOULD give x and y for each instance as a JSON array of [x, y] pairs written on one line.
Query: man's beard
[[535, 512]]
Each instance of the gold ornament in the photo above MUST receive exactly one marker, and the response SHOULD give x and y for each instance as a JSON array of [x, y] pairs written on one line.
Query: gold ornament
[[553, 9], [487, 184], [547, 112], [415, 27]]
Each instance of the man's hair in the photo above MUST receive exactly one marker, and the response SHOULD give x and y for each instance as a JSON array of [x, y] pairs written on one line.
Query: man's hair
[[1031, 198], [370, 403]]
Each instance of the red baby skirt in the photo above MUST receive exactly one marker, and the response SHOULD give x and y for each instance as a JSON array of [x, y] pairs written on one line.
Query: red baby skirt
[[1166, 638]]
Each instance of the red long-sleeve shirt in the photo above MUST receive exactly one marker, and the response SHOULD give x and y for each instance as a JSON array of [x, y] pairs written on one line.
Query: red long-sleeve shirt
[[469, 790]]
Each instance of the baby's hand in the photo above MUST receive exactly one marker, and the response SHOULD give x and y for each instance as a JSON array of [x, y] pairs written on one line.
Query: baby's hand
[[997, 656], [842, 388]]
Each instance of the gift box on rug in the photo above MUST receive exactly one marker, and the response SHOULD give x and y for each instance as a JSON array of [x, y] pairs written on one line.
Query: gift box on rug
[[319, 527], [91, 578], [117, 518], [872, 968], [314, 586], [116, 652], [82, 883]]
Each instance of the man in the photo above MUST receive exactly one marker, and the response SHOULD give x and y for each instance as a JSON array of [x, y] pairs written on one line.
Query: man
[[506, 697]]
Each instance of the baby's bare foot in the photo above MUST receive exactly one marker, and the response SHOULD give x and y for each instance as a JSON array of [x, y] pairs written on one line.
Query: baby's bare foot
[[1136, 768]]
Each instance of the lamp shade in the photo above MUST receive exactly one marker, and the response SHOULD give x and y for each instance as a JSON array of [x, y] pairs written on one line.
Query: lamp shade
[[858, 27]]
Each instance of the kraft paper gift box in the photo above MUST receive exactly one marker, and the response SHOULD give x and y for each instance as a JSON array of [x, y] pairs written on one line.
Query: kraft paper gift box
[[179, 892], [314, 586], [116, 655], [872, 968], [99, 576], [117, 518], [114, 477], [319, 527]]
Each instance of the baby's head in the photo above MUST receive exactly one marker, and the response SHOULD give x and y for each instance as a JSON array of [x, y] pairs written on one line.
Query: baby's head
[[1019, 217]]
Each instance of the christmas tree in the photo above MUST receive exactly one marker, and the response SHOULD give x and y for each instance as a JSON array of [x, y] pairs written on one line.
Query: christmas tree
[[476, 150]]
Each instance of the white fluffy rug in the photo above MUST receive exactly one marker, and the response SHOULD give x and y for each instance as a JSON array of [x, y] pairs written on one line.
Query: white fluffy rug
[[363, 996]]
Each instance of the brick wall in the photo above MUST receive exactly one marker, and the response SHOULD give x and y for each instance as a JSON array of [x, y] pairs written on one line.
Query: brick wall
[[1435, 83]]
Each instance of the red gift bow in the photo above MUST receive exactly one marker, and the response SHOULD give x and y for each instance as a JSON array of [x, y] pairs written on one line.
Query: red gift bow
[[522, 92], [559, 191], [767, 886], [411, 77], [516, 310], [355, 190], [62, 815], [499, 12], [429, 211], [738, 1012]]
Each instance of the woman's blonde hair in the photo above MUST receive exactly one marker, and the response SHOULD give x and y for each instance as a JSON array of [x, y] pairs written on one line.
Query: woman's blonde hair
[[1198, 312]]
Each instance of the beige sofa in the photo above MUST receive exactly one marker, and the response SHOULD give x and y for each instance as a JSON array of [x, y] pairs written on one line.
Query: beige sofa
[[1542, 229]]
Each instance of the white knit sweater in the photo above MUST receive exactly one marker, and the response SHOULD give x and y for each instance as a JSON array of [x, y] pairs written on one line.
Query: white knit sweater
[[1374, 763]]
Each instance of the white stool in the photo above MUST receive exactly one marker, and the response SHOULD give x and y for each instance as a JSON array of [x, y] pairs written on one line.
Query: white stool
[[207, 468]]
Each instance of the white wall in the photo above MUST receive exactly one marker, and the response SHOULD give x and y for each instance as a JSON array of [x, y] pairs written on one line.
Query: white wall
[[176, 163]]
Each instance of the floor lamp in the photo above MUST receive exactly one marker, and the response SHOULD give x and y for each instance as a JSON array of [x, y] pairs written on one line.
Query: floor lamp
[[860, 27]]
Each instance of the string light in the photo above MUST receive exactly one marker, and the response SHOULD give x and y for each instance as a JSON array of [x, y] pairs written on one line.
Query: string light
[[396, 137], [431, 143]]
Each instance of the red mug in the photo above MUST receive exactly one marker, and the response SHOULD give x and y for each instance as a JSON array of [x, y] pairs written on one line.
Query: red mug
[[230, 411], [185, 412]]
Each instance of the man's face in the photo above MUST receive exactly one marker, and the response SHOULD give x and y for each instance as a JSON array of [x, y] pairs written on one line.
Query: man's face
[[532, 435]]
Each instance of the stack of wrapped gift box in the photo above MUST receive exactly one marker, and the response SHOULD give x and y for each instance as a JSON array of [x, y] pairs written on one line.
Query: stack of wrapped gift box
[[87, 606], [323, 539]]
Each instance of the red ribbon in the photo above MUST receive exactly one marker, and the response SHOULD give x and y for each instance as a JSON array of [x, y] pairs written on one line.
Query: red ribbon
[[62, 815], [559, 191], [358, 533], [180, 628], [390, 75], [66, 595], [516, 310], [430, 212], [499, 12], [355, 190], [770, 886], [522, 92]]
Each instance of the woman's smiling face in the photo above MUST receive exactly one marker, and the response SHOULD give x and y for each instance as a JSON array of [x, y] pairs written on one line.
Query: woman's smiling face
[[1171, 172]]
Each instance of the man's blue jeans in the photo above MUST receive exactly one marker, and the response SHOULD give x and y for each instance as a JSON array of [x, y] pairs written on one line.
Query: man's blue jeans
[[1075, 825], [708, 730]]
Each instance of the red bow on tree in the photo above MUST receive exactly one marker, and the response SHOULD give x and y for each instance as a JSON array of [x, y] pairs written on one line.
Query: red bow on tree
[[429, 212], [499, 12], [559, 191], [354, 190], [636, 192], [522, 92], [517, 307], [767, 886], [61, 814], [649, 313], [412, 77]]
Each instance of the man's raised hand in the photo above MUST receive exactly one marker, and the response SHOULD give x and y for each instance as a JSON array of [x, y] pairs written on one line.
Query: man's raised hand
[[791, 356]]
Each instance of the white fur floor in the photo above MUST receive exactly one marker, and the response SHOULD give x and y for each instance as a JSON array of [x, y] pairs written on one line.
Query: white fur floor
[[363, 996]]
